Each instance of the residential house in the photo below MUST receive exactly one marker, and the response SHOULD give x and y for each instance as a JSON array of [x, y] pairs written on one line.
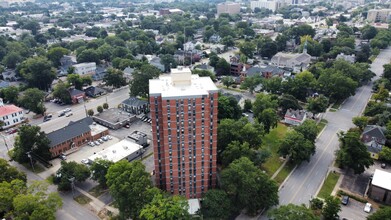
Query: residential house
[[71, 137], [9, 75], [380, 187], [215, 38], [66, 62], [190, 45], [236, 65], [193, 56], [77, 96], [135, 106], [128, 73], [85, 68], [100, 73], [11, 115], [94, 91], [295, 117], [205, 66], [374, 133], [297, 61], [265, 71], [156, 62], [349, 58]]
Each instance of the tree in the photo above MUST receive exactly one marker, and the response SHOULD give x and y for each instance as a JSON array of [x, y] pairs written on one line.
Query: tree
[[11, 94], [248, 105], [317, 104], [382, 94], [168, 61], [9, 173], [251, 83], [99, 109], [75, 80], [105, 105], [114, 77], [223, 67], [216, 205], [385, 154], [337, 86], [61, 92], [331, 208], [297, 147], [273, 85], [248, 186], [268, 118], [236, 150], [33, 99], [88, 55], [353, 153], [129, 184], [247, 48], [262, 102], [368, 32], [201, 72], [308, 129], [292, 212], [287, 101], [139, 86], [99, 170], [380, 214], [361, 122], [70, 170], [227, 81], [55, 54], [12, 59], [228, 41], [164, 206], [228, 107], [38, 72], [90, 112]]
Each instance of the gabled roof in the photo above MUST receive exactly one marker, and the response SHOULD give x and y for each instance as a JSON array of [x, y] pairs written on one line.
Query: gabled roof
[[374, 147], [73, 129], [9, 109], [93, 90], [75, 92], [374, 131], [133, 101], [295, 114]]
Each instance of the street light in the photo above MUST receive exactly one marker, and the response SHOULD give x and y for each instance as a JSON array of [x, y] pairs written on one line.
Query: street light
[[31, 160], [72, 179]]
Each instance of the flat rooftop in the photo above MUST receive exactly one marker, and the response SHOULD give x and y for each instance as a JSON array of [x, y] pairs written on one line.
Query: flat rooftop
[[97, 129], [117, 152], [136, 135], [114, 115], [382, 179], [181, 83]]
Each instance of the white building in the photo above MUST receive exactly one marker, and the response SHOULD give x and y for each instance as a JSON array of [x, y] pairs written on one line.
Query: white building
[[85, 68], [10, 114], [379, 15], [123, 150], [268, 4], [228, 7], [297, 61]]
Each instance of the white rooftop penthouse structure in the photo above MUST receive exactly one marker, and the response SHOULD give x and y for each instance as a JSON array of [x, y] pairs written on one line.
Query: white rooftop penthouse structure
[[124, 149], [181, 83]]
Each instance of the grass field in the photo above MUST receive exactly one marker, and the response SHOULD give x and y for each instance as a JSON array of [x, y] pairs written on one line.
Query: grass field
[[271, 142], [328, 185], [283, 174]]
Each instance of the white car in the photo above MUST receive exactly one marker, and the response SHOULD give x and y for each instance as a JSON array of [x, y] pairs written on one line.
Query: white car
[[109, 137], [68, 114], [368, 207], [84, 161], [91, 144], [67, 110]]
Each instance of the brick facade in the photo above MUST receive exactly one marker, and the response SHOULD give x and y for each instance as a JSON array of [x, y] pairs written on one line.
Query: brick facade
[[184, 133]]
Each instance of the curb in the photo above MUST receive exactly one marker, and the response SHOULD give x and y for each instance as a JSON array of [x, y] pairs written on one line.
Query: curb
[[286, 179]]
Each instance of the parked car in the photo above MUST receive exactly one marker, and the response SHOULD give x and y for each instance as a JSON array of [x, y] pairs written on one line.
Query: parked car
[[109, 137], [97, 143], [368, 207], [12, 131], [127, 126], [46, 119], [100, 140], [345, 200], [67, 110], [85, 161], [91, 144], [63, 157], [61, 114], [383, 165], [105, 138], [68, 114]]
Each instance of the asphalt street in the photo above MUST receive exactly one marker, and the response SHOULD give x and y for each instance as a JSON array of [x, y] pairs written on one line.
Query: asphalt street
[[305, 180]]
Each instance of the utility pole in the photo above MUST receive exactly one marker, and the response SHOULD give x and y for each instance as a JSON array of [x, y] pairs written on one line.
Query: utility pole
[[6, 145], [31, 160], [85, 109]]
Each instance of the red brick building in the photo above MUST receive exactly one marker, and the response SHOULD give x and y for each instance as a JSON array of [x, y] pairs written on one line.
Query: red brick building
[[184, 129]]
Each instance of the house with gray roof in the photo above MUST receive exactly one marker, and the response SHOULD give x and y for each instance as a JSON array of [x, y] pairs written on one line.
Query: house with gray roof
[[69, 138], [135, 106], [295, 117], [374, 133], [297, 61], [94, 91]]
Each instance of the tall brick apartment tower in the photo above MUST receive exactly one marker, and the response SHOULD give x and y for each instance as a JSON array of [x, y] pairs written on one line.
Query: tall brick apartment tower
[[184, 129]]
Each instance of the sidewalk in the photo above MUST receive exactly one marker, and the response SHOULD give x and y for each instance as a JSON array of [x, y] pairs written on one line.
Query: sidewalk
[[96, 203]]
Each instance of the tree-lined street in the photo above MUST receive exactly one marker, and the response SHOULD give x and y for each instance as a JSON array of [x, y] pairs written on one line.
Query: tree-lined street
[[305, 180]]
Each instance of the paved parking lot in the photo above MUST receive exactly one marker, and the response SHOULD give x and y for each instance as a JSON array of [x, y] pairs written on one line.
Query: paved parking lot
[[354, 211]]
